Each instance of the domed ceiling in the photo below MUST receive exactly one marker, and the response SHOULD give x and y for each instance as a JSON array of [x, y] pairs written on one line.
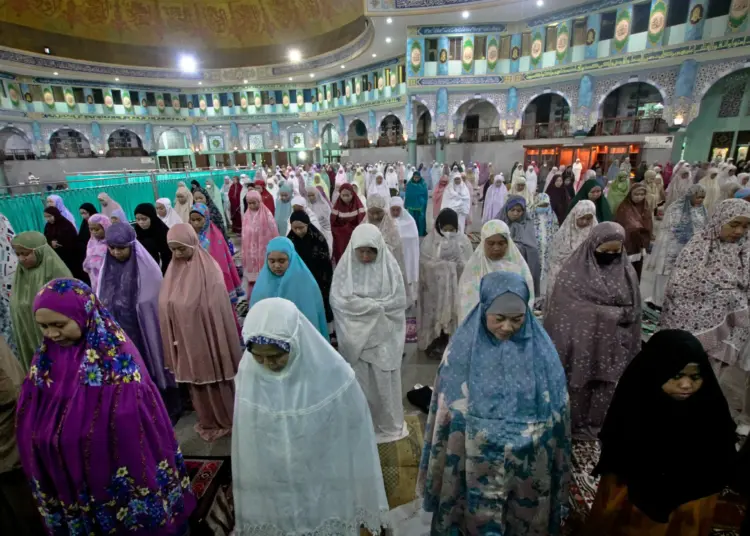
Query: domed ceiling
[[152, 33]]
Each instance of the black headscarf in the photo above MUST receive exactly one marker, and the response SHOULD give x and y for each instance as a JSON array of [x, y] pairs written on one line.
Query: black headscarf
[[313, 249], [667, 452], [195, 185], [559, 198], [69, 248], [447, 216], [84, 233], [154, 239]]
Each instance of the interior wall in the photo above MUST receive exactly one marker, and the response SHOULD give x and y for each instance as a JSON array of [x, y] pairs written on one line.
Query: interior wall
[[502, 154], [55, 170]]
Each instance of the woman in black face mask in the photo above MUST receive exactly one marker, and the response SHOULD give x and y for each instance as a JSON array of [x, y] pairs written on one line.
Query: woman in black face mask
[[594, 320]]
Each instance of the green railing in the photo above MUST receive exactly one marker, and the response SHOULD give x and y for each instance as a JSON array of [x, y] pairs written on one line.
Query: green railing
[[25, 211]]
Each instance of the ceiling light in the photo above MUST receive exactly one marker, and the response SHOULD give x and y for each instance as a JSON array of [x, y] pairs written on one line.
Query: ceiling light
[[312, 75], [388, 20], [539, 3], [343, 66], [374, 55], [387, 39], [55, 73], [47, 50], [465, 14], [200, 83], [295, 56], [244, 81], [290, 78], [117, 79], [188, 63]]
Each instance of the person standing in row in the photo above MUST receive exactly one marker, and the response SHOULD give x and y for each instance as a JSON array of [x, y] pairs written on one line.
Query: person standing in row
[[594, 319], [93, 435], [368, 299], [312, 248], [258, 228], [199, 332], [347, 213], [152, 234], [285, 275], [62, 236], [416, 200], [129, 285], [37, 265], [292, 386], [496, 458], [668, 410]]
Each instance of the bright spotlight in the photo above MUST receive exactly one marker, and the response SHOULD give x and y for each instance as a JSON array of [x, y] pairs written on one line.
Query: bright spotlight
[[295, 56], [188, 64]]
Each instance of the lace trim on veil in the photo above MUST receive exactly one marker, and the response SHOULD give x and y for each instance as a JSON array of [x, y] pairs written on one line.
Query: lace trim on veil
[[372, 521]]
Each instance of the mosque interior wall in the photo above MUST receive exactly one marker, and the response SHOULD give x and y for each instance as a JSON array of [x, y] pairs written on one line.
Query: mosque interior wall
[[17, 171]]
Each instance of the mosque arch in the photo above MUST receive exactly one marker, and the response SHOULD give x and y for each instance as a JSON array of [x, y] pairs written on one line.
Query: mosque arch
[[172, 139], [69, 143], [546, 115], [480, 121], [357, 135], [15, 144], [391, 131], [632, 108], [424, 124], [719, 130], [124, 142]]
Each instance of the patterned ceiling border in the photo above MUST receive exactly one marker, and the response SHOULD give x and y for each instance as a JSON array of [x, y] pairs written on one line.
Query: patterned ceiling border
[[347, 52], [235, 75], [379, 6], [465, 29]]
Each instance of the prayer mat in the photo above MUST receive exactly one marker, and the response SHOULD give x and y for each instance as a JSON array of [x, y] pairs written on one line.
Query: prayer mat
[[411, 330], [730, 509], [399, 461], [211, 482]]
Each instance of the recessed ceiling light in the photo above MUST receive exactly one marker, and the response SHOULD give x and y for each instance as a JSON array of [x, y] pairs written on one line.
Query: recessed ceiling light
[[188, 63], [312, 75], [374, 55], [388, 20], [290, 78], [539, 3], [295, 56], [465, 14], [388, 39], [244, 81], [117, 79], [47, 50], [343, 66], [55, 73], [200, 83]]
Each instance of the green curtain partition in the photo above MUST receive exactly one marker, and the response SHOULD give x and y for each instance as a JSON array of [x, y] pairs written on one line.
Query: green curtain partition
[[24, 211]]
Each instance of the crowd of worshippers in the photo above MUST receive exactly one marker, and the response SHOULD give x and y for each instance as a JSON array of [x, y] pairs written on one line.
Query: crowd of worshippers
[[294, 345]]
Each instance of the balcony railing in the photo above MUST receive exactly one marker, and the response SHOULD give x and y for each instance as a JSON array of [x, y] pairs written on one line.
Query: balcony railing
[[536, 131], [72, 153], [17, 154], [358, 144], [476, 135], [426, 138], [619, 126], [390, 141]]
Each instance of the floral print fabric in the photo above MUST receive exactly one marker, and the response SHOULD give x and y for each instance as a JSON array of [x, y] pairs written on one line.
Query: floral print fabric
[[93, 433], [497, 451], [707, 290]]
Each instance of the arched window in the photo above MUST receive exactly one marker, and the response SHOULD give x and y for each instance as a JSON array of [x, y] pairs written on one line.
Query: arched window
[[125, 143], [633, 108], [546, 116], [391, 132], [69, 143], [357, 135]]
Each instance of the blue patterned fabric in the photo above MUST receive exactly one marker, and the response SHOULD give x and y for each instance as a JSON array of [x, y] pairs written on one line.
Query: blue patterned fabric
[[497, 441], [296, 285]]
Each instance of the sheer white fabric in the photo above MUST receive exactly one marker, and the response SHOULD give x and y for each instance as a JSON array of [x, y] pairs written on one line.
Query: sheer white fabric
[[391, 178], [457, 197], [304, 458], [369, 309], [441, 262], [172, 218], [407, 228]]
